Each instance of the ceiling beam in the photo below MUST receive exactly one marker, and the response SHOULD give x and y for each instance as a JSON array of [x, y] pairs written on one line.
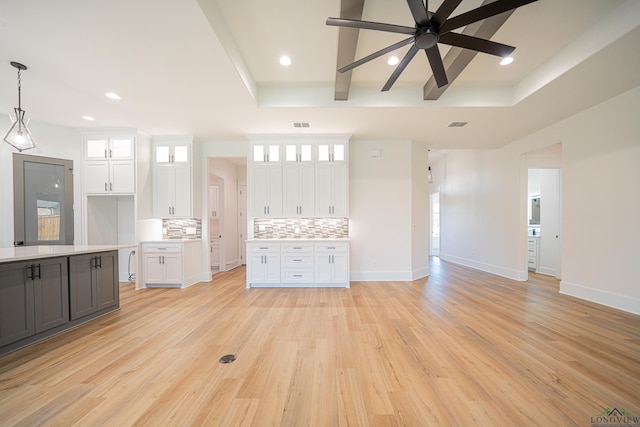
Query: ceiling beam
[[347, 43], [457, 59]]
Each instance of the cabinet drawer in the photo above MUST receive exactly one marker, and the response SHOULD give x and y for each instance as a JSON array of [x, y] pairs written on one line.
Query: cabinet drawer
[[297, 275], [297, 247], [331, 247], [263, 247], [174, 248], [297, 260], [531, 262], [532, 241]]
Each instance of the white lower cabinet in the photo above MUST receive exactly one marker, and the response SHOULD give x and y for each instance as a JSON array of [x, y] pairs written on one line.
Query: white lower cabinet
[[171, 265], [263, 263], [532, 253], [297, 263], [332, 263]]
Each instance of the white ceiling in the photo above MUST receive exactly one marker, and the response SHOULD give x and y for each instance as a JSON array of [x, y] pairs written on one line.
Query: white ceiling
[[210, 68]]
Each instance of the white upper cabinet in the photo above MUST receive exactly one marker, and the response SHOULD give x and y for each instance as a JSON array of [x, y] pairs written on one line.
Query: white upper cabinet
[[301, 176], [109, 165], [334, 152], [266, 152], [172, 176], [106, 147], [298, 152], [167, 153]]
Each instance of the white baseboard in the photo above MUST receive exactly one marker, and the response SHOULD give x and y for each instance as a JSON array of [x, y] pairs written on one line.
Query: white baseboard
[[547, 271], [610, 299], [420, 273], [489, 268]]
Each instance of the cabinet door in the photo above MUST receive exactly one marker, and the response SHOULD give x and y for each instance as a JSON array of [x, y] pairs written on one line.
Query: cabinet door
[[83, 297], [266, 193], [107, 281], [172, 264], [299, 191], [96, 148], [182, 191], [307, 180], [96, 177], [291, 190], [322, 268], [122, 176], [51, 293], [16, 303], [255, 268], [340, 265], [340, 189], [162, 192], [272, 268], [121, 148], [153, 268], [324, 190]]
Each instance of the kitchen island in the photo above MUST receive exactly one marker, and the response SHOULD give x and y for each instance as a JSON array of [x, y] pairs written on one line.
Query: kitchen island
[[45, 290]]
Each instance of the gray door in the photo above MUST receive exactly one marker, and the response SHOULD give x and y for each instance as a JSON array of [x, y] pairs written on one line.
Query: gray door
[[43, 200]]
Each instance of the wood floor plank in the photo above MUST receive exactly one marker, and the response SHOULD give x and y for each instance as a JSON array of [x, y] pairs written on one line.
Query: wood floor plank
[[459, 348]]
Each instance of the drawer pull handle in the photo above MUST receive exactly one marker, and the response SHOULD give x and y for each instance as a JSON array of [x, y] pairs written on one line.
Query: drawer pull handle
[[331, 247], [263, 248], [297, 247], [297, 260], [297, 275]]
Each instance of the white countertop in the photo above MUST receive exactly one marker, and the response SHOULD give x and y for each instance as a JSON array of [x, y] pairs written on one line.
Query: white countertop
[[317, 239], [22, 253], [165, 241]]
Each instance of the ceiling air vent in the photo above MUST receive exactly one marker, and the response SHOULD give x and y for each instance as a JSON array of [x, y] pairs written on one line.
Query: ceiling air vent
[[301, 124], [457, 124]]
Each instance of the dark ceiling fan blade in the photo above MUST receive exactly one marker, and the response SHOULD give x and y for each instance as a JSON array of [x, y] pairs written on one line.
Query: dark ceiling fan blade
[[444, 11], [400, 68], [482, 12], [475, 43], [376, 55], [419, 12], [437, 67], [367, 25]]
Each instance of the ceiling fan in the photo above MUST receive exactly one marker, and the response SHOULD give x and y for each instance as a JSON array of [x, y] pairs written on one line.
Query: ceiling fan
[[431, 29]]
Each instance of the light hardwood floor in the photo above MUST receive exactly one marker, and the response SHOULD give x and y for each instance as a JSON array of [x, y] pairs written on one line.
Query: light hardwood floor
[[460, 348]]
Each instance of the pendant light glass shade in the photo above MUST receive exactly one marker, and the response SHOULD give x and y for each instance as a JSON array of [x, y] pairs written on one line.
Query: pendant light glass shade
[[18, 134]]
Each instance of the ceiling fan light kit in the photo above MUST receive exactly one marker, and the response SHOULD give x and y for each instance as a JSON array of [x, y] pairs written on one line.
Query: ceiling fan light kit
[[429, 30]]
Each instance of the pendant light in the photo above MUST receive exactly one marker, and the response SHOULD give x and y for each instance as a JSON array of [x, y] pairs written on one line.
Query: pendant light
[[18, 134]]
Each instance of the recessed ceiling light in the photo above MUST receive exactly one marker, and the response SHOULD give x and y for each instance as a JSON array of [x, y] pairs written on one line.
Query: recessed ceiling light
[[285, 60], [393, 60], [112, 95], [506, 60], [88, 118]]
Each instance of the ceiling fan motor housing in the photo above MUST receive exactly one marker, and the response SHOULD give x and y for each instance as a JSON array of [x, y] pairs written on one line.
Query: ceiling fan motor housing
[[425, 38]]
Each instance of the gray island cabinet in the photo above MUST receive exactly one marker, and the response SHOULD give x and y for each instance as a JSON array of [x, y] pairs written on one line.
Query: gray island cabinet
[[48, 290]]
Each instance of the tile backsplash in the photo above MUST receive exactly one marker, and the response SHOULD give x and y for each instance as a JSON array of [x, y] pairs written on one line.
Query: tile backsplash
[[182, 228], [301, 228]]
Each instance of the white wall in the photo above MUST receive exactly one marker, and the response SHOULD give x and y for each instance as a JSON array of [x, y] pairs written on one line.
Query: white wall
[[480, 211], [484, 203], [381, 213], [52, 141], [419, 211]]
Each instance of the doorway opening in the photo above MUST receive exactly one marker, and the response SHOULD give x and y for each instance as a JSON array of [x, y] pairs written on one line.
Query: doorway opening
[[435, 224]]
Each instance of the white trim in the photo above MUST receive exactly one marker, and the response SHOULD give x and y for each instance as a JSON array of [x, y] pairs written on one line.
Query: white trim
[[598, 296]]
